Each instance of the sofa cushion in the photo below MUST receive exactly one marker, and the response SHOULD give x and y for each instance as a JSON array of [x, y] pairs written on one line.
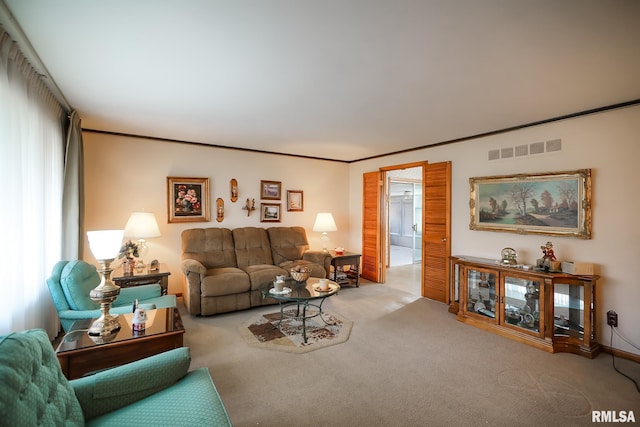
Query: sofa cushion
[[261, 275], [252, 246], [287, 243], [33, 390], [213, 247], [77, 279], [195, 395], [224, 281]]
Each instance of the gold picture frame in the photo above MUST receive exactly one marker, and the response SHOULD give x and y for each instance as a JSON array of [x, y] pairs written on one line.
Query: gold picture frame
[[295, 201], [553, 204], [188, 199], [270, 190]]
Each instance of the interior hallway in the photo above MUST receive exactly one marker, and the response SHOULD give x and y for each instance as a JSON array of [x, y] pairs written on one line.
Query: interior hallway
[[402, 273]]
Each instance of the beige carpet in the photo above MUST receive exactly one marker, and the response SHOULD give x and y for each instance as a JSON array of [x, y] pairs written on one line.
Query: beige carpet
[[267, 332], [408, 362]]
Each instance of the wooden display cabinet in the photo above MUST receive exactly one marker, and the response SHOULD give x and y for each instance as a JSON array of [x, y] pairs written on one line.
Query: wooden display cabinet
[[550, 311]]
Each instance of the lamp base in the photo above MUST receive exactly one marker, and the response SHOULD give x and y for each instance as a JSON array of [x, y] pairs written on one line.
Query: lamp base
[[104, 294], [104, 326], [325, 242]]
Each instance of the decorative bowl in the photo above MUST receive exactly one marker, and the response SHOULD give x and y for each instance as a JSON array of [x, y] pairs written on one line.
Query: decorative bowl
[[301, 274]]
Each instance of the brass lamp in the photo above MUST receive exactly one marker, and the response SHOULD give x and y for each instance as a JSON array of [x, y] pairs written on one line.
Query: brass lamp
[[324, 222], [105, 245]]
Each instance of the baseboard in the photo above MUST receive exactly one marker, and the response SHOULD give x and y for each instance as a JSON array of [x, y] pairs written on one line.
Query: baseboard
[[621, 354]]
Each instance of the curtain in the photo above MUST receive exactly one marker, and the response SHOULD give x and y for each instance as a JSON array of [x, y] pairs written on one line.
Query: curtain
[[31, 174], [73, 191]]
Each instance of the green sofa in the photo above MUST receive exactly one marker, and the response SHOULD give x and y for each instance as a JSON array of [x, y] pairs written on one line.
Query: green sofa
[[156, 391], [71, 282]]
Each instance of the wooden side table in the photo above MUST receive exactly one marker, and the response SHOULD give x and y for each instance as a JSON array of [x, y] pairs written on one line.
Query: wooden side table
[[79, 354], [338, 261], [144, 278]]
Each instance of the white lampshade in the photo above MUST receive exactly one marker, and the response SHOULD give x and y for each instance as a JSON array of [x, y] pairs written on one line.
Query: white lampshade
[[105, 244], [324, 222], [142, 225]]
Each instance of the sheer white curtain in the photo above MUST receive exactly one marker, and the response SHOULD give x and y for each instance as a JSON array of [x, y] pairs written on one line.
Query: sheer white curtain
[[31, 174]]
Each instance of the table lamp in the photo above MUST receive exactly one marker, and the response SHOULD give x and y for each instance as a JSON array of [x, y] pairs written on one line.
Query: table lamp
[[105, 245], [142, 226], [324, 223]]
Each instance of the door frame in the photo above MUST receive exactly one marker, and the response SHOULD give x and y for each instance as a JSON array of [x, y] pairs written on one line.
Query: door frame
[[384, 215], [414, 183]]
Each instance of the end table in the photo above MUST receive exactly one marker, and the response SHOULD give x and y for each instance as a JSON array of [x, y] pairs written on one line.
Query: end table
[[338, 261], [145, 278]]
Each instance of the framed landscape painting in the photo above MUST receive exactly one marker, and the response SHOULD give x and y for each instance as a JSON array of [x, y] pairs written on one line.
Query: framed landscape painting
[[555, 204], [270, 190], [270, 212], [187, 199]]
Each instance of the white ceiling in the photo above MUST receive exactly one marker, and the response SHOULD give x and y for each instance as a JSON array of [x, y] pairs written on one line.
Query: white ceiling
[[338, 79]]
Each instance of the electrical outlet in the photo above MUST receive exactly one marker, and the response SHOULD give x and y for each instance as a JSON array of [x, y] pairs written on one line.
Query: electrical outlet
[[612, 318]]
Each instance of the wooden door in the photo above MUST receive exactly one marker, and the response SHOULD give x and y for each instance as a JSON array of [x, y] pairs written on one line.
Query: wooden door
[[371, 264], [436, 231]]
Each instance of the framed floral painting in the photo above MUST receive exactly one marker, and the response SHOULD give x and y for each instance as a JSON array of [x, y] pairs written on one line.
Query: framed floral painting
[[188, 199]]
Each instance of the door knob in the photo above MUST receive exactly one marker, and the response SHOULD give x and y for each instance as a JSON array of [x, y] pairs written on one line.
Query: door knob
[[444, 239]]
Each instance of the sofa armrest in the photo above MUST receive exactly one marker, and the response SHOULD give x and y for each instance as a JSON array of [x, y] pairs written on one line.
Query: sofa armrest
[[115, 388], [194, 273], [319, 257]]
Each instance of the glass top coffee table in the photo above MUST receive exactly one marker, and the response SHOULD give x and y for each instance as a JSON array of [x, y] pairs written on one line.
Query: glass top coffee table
[[302, 295], [79, 353]]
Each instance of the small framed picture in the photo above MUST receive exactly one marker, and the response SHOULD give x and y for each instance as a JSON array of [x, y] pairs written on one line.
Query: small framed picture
[[270, 190], [187, 199], [295, 201], [270, 212]]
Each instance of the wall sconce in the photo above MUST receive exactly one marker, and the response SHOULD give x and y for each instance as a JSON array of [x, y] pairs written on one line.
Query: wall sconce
[[324, 223], [105, 245]]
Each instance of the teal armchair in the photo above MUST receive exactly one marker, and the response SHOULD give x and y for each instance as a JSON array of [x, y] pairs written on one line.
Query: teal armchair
[[155, 391], [71, 281]]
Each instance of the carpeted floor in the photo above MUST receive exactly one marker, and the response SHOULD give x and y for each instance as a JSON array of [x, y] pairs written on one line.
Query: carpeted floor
[[408, 362], [266, 331]]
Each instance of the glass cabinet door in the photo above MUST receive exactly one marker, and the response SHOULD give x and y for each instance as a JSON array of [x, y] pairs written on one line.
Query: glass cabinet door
[[481, 292], [568, 311], [521, 308]]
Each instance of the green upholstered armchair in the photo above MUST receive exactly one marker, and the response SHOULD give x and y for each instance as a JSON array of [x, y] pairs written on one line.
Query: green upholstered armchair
[[155, 391], [71, 282]]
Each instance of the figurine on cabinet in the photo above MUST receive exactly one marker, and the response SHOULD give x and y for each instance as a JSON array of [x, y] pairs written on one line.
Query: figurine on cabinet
[[548, 261], [547, 252]]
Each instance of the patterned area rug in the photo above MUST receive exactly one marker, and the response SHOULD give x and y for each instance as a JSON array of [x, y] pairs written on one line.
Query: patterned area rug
[[262, 331]]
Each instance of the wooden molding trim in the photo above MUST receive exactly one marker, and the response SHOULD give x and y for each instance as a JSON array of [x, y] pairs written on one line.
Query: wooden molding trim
[[621, 353]]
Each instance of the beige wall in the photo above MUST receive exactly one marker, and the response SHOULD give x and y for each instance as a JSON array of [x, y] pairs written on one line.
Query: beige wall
[[608, 144], [127, 174]]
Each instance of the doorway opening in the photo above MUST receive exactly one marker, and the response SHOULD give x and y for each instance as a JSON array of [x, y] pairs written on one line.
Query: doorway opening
[[403, 234]]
